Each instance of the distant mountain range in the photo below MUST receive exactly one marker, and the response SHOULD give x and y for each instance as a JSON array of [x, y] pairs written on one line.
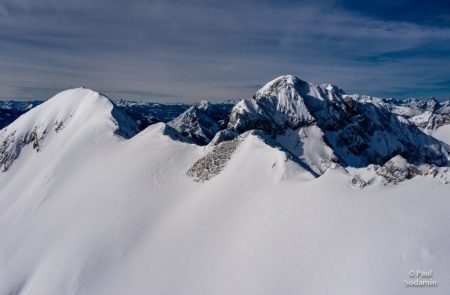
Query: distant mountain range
[[317, 125]]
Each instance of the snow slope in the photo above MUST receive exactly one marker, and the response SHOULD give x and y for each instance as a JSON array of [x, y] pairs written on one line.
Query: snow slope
[[442, 133], [98, 211]]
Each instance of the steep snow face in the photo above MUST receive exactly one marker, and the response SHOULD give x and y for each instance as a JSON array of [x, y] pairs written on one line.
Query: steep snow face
[[73, 113], [282, 101], [355, 131]]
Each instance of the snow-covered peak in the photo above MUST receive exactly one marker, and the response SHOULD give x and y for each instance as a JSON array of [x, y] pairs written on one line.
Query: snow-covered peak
[[288, 101], [278, 104], [282, 83], [350, 129], [76, 111], [78, 105], [292, 88]]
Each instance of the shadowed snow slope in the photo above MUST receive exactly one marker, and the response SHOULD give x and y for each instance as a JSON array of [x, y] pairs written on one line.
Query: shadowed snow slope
[[94, 213]]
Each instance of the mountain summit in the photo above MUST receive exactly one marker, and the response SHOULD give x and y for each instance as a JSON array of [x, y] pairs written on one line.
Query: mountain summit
[[71, 113]]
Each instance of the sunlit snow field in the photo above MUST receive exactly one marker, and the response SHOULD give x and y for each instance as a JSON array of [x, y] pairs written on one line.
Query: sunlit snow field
[[95, 213]]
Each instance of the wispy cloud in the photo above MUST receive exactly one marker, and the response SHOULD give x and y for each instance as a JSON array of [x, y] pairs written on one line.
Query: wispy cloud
[[190, 50]]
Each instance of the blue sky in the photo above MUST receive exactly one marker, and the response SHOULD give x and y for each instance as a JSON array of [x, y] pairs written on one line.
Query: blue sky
[[190, 50]]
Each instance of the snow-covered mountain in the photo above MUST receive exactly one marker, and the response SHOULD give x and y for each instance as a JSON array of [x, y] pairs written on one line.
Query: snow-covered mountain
[[318, 126], [72, 110], [300, 189], [322, 125]]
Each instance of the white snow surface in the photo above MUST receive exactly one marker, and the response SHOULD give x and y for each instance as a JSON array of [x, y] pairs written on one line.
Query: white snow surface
[[443, 134], [94, 213]]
